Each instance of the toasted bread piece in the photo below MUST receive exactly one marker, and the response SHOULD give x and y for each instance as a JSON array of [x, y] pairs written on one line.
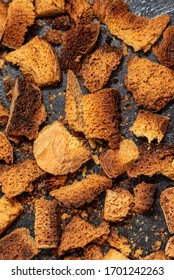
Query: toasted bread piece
[[18, 245], [79, 10], [143, 197], [169, 249], [153, 159], [159, 255], [46, 223], [6, 150], [1, 63], [62, 22], [3, 17], [38, 61], [149, 125], [73, 105], [98, 69], [78, 233], [56, 145], [92, 252], [167, 205], [79, 40], [116, 162], [46, 8], [113, 254], [3, 115], [53, 36], [20, 16], [119, 242], [10, 210], [53, 182], [81, 192], [151, 84], [19, 177], [102, 117], [165, 50]]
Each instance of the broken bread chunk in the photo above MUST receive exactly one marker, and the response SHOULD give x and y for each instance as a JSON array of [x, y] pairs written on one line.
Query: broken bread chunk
[[119, 242], [151, 84], [81, 192], [18, 178], [47, 8], [113, 254], [46, 223], [167, 205], [6, 150], [149, 125], [53, 36], [117, 204], [3, 115], [169, 250], [79, 10], [27, 111], [20, 16], [38, 62], [10, 210], [57, 146], [3, 17], [92, 252], [159, 255], [116, 162], [18, 245], [98, 69]]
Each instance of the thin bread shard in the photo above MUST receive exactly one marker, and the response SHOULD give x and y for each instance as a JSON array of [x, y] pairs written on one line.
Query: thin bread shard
[[149, 125], [79, 10], [136, 31], [20, 16], [19, 177], [46, 8], [81, 192], [3, 115], [167, 205], [46, 223], [101, 116], [38, 62], [78, 233], [6, 150], [18, 245], [57, 146], [27, 111], [154, 159], [98, 69], [113, 254], [92, 252], [3, 17], [151, 84], [116, 162], [169, 249], [159, 255]]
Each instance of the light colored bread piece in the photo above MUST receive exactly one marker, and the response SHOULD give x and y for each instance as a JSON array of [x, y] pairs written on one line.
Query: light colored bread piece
[[97, 70], [119, 242], [46, 8], [92, 252], [78, 233], [3, 17], [38, 62], [113, 254], [78, 9], [167, 205], [10, 210], [18, 245], [56, 145], [169, 249], [151, 84], [20, 16], [102, 117], [46, 223], [3, 115], [116, 162], [18, 178], [154, 159], [159, 255], [6, 150], [118, 204], [149, 125], [81, 192]]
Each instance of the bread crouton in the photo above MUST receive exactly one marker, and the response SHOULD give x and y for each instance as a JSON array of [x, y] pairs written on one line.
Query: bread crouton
[[3, 17], [38, 62], [3, 115], [62, 23], [53, 36], [46, 8], [159, 255], [167, 205], [119, 242], [169, 249], [79, 10], [116, 162], [18, 245], [92, 252], [149, 125], [151, 84], [113, 254], [81, 192], [53, 182], [6, 150]]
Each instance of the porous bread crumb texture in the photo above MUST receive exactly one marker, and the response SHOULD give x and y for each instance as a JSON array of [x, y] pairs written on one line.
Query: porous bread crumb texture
[[117, 205], [20, 16], [159, 255], [10, 210], [116, 162], [18, 178], [165, 50], [79, 10], [149, 125], [48, 8], [38, 62], [3, 17], [150, 83], [56, 145], [53, 182], [136, 31], [18, 245], [113, 254], [46, 223], [169, 249], [92, 252], [119, 242], [167, 205], [62, 23], [101, 116], [53, 36], [81, 192], [3, 115], [6, 150], [78, 233], [153, 159], [97, 70]]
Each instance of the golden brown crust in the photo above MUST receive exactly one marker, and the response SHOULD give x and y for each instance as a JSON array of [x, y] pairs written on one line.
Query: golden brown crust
[[79, 10], [45, 8], [119, 242], [3, 115], [3, 17], [169, 249], [92, 252], [113, 254], [6, 150], [159, 255], [53, 37], [167, 205]]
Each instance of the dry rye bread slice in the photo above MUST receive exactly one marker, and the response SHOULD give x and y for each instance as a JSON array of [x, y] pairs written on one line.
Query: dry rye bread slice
[[167, 205], [47, 8], [6, 149], [3, 115], [92, 252], [79, 10], [169, 249], [113, 254], [3, 17]]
